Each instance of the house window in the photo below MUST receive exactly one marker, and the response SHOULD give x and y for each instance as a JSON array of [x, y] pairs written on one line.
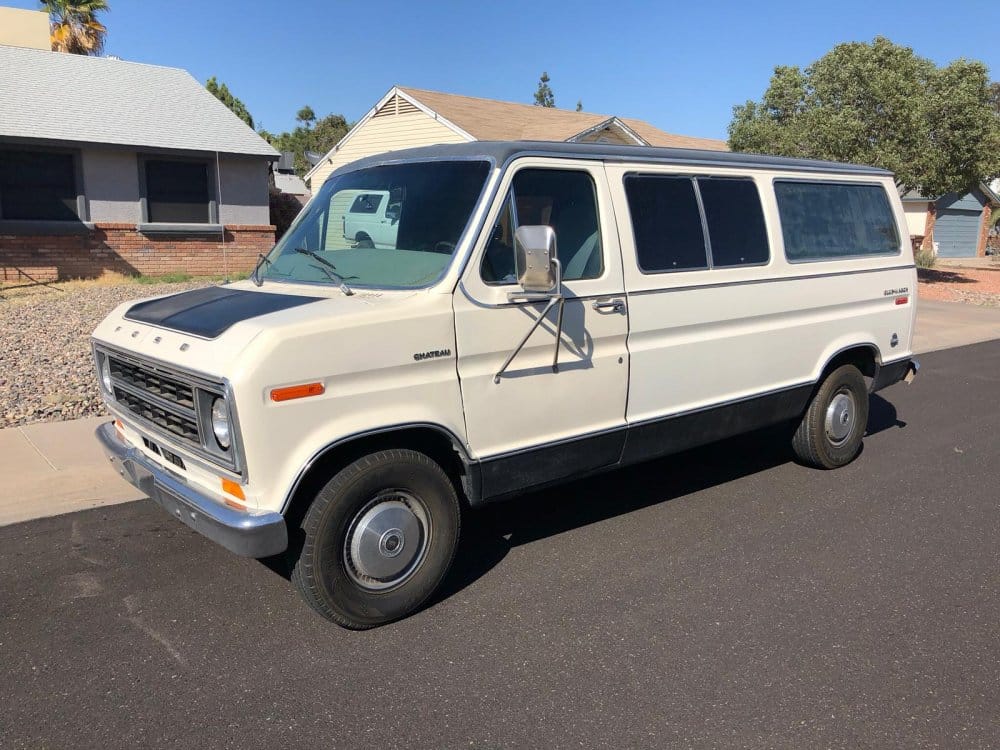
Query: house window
[[824, 221], [178, 192], [38, 186]]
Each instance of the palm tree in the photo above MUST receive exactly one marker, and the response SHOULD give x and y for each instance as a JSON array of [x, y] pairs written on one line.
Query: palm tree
[[74, 25]]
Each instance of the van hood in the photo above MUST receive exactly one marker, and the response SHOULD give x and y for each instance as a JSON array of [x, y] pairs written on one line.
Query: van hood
[[205, 330], [211, 311]]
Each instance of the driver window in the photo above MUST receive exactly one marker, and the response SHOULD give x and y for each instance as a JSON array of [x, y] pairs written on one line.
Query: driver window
[[562, 199]]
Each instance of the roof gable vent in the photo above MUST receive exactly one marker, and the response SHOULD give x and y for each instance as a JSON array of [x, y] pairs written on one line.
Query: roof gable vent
[[397, 105]]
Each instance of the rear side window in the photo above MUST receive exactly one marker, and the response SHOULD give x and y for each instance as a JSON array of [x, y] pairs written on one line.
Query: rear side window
[[735, 221], [666, 223], [823, 221], [670, 216]]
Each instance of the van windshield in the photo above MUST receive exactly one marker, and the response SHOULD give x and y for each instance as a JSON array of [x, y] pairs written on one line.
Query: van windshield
[[391, 226]]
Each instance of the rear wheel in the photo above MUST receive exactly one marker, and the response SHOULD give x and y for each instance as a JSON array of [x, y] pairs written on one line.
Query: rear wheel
[[831, 430], [363, 240], [379, 538]]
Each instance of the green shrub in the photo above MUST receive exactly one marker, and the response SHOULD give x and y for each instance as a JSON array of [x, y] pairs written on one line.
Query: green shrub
[[925, 258]]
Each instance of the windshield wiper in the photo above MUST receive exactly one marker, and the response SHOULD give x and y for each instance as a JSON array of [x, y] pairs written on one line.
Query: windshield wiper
[[331, 274], [255, 276]]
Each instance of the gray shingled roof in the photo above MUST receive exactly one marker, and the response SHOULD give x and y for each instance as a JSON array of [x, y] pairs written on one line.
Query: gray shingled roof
[[62, 97]]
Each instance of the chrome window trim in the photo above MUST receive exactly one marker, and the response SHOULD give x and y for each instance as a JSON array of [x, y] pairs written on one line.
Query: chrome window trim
[[769, 279]]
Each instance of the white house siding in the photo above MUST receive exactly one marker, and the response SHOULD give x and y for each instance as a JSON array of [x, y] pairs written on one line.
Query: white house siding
[[916, 217], [389, 132]]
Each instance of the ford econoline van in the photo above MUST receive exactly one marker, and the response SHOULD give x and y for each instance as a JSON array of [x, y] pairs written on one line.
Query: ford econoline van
[[539, 312]]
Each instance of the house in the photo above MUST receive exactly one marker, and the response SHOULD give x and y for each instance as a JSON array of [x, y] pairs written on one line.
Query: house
[[121, 166], [956, 226], [285, 179], [407, 117], [25, 28]]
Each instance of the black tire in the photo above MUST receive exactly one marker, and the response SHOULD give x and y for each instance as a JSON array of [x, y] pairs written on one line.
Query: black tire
[[830, 433], [326, 573], [363, 240]]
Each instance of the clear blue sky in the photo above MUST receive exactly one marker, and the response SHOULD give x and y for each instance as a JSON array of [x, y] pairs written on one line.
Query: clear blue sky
[[681, 66]]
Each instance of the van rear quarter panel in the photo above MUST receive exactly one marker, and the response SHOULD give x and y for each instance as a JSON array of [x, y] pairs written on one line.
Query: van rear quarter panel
[[698, 338]]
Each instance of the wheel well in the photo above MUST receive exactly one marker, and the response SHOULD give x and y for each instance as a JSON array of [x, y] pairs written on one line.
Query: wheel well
[[864, 357], [432, 442]]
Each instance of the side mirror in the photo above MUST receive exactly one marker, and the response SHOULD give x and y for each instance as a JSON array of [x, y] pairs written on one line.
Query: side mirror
[[535, 259]]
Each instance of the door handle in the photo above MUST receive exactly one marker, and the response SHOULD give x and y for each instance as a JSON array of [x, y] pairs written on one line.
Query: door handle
[[614, 305]]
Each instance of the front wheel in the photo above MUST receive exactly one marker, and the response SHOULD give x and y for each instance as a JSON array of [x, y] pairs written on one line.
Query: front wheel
[[379, 538], [830, 433]]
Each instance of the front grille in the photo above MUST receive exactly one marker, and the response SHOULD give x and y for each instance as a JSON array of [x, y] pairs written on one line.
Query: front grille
[[152, 382], [169, 402], [182, 425]]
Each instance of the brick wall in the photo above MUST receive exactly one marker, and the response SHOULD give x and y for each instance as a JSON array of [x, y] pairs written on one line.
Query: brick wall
[[929, 227], [984, 230], [120, 248]]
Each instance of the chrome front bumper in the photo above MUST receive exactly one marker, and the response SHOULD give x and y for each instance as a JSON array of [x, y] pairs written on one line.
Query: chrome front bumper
[[243, 533]]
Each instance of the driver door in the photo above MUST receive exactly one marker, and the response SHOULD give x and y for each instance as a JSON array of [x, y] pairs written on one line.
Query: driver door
[[538, 423]]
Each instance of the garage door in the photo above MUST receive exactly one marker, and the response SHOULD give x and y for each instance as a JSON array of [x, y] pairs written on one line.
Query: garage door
[[956, 233]]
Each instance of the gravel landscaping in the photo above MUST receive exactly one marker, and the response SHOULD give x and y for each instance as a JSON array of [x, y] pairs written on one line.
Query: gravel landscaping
[[975, 286], [46, 370]]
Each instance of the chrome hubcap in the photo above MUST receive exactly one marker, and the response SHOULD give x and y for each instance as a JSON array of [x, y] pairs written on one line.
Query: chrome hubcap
[[387, 540], [840, 416]]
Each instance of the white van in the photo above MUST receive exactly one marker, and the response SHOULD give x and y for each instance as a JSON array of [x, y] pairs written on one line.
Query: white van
[[545, 311]]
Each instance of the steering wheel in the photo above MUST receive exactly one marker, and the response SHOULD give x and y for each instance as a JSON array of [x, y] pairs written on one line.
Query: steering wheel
[[444, 247]]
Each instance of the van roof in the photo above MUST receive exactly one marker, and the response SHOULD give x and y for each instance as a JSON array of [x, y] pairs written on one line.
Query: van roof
[[503, 151]]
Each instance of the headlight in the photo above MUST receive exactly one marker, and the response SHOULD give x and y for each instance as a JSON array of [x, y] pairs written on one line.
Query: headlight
[[106, 375], [220, 422]]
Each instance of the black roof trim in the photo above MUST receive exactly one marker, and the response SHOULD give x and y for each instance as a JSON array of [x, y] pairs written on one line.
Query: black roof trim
[[503, 151]]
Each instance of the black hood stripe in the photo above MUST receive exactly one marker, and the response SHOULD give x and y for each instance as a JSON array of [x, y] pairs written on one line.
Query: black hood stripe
[[210, 311]]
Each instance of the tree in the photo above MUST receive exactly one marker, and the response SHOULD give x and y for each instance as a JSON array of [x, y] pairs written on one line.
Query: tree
[[322, 137], [221, 92], [543, 95], [882, 105], [306, 116], [73, 26], [579, 105]]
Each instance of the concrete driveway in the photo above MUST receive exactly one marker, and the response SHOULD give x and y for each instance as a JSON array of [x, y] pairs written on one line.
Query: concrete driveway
[[722, 598]]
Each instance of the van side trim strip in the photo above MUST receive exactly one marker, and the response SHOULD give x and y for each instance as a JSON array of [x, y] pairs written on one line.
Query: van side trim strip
[[768, 280]]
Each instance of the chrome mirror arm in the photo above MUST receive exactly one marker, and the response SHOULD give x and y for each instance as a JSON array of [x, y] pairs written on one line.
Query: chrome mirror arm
[[554, 299]]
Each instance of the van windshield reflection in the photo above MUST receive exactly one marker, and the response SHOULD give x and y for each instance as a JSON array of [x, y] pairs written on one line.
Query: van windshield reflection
[[392, 226]]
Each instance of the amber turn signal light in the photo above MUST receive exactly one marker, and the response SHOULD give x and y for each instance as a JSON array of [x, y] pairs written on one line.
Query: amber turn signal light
[[232, 488], [297, 391]]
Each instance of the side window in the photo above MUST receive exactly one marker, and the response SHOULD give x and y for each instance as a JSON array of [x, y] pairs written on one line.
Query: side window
[[670, 216], [562, 199], [666, 223], [366, 203], [735, 221], [823, 221]]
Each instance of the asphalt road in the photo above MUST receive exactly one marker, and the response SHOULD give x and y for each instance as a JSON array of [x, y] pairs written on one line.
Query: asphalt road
[[723, 598]]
